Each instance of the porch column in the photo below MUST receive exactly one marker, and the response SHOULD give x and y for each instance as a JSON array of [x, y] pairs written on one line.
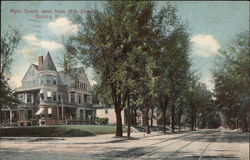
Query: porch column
[[84, 114], [10, 116], [76, 100], [62, 112], [57, 111]]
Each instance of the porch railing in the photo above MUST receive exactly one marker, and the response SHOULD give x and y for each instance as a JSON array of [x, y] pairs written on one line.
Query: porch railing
[[70, 120], [6, 122]]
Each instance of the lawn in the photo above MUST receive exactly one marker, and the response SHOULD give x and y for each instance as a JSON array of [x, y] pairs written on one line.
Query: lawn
[[58, 131]]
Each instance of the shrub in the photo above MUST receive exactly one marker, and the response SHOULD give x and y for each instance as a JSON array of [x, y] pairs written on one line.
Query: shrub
[[34, 122], [102, 121]]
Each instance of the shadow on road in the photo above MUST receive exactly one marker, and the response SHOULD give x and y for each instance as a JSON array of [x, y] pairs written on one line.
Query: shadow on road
[[225, 136]]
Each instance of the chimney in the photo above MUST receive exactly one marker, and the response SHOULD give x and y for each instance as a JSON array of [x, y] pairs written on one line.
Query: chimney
[[40, 62]]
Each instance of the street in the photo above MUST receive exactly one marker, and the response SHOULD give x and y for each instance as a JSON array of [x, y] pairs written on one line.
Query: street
[[202, 144]]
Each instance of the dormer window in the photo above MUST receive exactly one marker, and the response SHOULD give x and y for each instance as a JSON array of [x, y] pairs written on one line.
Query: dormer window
[[81, 85], [77, 84], [31, 73], [72, 96], [85, 86]]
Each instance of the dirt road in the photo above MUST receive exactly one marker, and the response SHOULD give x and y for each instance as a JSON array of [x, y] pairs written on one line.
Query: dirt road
[[203, 144]]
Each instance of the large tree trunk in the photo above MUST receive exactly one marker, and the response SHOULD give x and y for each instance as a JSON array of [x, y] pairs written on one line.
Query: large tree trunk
[[192, 121], [146, 120], [164, 105], [172, 121], [152, 116], [118, 122], [179, 121], [129, 115], [125, 117], [195, 121], [164, 120], [134, 114]]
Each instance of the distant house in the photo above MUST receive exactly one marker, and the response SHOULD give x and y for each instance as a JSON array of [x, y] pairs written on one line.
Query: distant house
[[109, 112], [53, 97]]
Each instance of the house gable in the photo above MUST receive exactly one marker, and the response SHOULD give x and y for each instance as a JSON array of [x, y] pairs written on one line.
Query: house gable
[[31, 76], [76, 74]]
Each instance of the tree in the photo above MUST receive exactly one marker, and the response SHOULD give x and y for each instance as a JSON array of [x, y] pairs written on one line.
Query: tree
[[125, 44], [171, 64], [9, 42], [232, 79], [105, 42]]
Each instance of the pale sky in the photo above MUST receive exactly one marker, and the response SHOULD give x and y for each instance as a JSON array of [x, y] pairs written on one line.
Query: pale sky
[[212, 26]]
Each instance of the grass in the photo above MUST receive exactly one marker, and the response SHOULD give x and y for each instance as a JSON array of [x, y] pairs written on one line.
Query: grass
[[58, 131]]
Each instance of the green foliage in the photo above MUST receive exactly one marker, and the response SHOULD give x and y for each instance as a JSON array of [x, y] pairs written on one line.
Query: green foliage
[[57, 131], [232, 79], [136, 52], [9, 42], [102, 121], [34, 122]]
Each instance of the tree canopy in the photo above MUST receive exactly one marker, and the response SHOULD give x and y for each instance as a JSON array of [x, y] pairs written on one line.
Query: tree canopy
[[232, 79]]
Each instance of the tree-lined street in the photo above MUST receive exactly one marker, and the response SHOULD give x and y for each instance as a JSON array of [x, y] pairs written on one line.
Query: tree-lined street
[[202, 144], [154, 67]]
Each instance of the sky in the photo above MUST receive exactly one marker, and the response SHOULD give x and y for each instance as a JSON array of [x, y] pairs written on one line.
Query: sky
[[212, 27]]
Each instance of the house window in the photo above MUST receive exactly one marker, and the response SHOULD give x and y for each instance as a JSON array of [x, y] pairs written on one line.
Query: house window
[[29, 114], [81, 113], [31, 73], [72, 97], [85, 87], [54, 96], [59, 97], [21, 96], [22, 112], [50, 112], [29, 100], [42, 80], [48, 81], [79, 98], [85, 98], [54, 81], [42, 96], [49, 95], [77, 84]]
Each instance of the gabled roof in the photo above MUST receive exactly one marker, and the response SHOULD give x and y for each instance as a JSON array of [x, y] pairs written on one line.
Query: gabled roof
[[30, 68], [48, 63], [68, 78]]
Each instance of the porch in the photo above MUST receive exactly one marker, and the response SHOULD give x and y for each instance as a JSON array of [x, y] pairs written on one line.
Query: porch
[[8, 116], [64, 115]]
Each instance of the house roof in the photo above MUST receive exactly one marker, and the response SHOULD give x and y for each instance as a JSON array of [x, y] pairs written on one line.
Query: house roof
[[68, 78], [48, 63], [36, 66]]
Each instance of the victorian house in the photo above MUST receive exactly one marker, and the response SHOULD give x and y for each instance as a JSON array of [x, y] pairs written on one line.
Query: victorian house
[[53, 97]]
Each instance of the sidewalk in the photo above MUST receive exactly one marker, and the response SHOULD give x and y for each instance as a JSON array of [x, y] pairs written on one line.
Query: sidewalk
[[98, 139]]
